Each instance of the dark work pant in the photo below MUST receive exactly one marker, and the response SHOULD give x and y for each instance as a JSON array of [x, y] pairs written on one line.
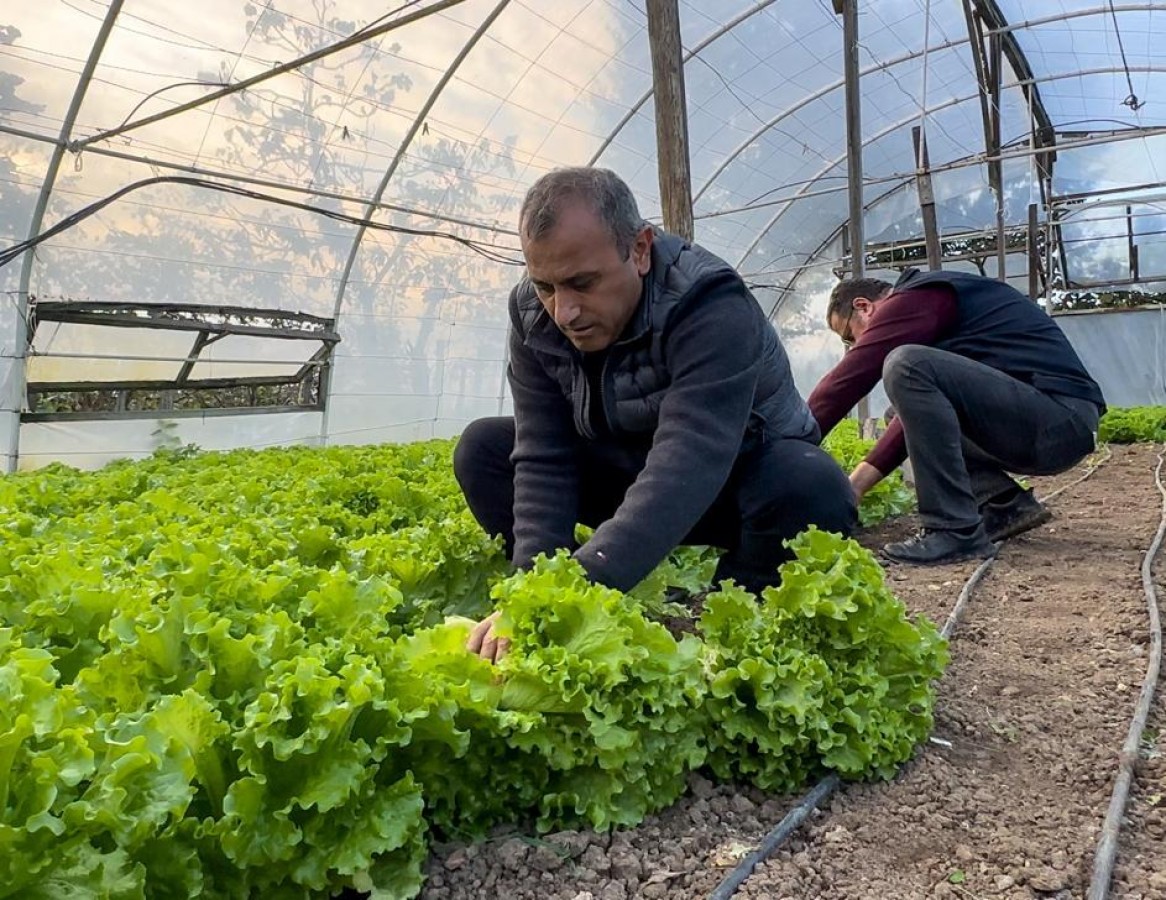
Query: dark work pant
[[775, 490], [967, 425]]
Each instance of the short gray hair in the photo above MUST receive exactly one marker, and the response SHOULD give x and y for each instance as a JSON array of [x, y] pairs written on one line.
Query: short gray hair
[[607, 193]]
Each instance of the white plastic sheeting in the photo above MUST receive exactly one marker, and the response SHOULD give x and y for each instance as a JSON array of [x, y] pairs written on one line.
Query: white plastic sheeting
[[441, 124], [1124, 350], [90, 445]]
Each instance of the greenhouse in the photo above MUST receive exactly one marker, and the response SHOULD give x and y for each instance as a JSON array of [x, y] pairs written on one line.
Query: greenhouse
[[255, 261]]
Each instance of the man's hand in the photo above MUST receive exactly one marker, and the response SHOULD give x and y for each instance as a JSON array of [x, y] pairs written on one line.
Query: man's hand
[[484, 642], [863, 478]]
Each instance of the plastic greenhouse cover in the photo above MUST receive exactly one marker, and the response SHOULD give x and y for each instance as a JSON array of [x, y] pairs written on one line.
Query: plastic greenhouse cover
[[433, 131]]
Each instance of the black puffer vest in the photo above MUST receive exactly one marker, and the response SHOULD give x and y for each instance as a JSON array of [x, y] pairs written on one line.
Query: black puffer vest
[[637, 371], [1002, 328]]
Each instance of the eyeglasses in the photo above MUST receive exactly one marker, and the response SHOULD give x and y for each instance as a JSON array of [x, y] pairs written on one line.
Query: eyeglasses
[[847, 335]]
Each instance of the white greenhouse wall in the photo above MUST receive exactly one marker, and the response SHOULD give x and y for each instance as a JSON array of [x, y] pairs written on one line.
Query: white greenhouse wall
[[92, 444], [1124, 350]]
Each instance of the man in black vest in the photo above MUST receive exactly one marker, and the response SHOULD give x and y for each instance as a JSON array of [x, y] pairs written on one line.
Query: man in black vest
[[983, 383], [652, 400]]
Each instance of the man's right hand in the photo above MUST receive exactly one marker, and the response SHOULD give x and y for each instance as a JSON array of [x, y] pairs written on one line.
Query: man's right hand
[[485, 643]]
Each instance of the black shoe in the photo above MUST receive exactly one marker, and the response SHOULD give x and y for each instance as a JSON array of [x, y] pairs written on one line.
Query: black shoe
[[931, 547], [1013, 517]]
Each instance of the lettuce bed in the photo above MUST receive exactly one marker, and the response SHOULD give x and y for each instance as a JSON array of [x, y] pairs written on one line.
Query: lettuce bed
[[243, 674]]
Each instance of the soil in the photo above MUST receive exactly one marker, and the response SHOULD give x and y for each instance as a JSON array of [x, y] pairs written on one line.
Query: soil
[[1006, 801]]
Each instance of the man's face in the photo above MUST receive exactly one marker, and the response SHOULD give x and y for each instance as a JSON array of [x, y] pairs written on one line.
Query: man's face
[[583, 281], [850, 327]]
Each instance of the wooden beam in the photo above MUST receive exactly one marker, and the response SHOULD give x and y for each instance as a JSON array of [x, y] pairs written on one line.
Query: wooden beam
[[671, 117], [927, 199], [853, 100], [848, 9], [1034, 265]]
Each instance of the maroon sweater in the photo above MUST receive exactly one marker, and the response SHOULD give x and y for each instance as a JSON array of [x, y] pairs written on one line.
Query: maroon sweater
[[921, 316]]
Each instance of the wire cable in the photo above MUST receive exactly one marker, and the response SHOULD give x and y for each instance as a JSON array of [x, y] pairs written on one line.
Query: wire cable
[[1131, 99], [491, 252]]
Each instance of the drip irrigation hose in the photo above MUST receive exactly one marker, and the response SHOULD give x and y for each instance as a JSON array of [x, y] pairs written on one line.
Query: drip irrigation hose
[[822, 791], [1106, 853], [817, 794], [962, 601]]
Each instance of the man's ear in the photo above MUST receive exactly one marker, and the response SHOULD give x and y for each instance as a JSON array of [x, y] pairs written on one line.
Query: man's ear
[[641, 251]]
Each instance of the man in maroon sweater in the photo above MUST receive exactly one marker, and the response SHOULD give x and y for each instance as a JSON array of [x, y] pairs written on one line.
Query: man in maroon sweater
[[983, 383]]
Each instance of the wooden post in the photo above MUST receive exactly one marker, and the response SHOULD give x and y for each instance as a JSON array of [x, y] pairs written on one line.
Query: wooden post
[[1034, 262], [848, 9], [849, 12], [671, 116], [926, 199], [995, 166]]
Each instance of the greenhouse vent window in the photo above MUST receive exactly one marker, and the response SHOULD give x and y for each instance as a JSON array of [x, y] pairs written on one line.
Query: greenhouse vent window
[[177, 359]]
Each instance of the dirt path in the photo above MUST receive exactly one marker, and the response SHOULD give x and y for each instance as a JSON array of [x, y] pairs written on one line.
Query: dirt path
[[1046, 666]]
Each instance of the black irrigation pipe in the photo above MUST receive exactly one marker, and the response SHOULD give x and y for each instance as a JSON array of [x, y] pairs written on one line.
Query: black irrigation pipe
[[769, 844], [1103, 859], [820, 792]]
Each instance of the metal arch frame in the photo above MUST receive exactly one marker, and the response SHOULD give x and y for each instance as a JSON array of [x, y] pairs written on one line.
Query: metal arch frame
[[1003, 29], [238, 178], [352, 40], [993, 16], [806, 101], [971, 160], [16, 394], [784, 292], [990, 13], [374, 203], [704, 42], [1068, 14]]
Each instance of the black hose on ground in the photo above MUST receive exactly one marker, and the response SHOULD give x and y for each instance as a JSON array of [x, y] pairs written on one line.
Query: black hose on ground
[[1106, 854], [811, 801]]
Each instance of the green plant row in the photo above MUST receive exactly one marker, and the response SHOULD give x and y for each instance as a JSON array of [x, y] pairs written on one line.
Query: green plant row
[[226, 675], [1133, 425], [890, 497]]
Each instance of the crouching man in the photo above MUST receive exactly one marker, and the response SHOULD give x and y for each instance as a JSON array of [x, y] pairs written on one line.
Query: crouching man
[[983, 382], [652, 400]]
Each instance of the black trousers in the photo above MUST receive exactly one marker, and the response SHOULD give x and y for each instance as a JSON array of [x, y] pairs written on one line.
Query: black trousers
[[968, 425], [777, 489]]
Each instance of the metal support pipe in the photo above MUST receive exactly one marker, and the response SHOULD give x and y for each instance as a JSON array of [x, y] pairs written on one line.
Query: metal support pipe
[[14, 402], [995, 165], [359, 37], [1033, 253], [372, 205]]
